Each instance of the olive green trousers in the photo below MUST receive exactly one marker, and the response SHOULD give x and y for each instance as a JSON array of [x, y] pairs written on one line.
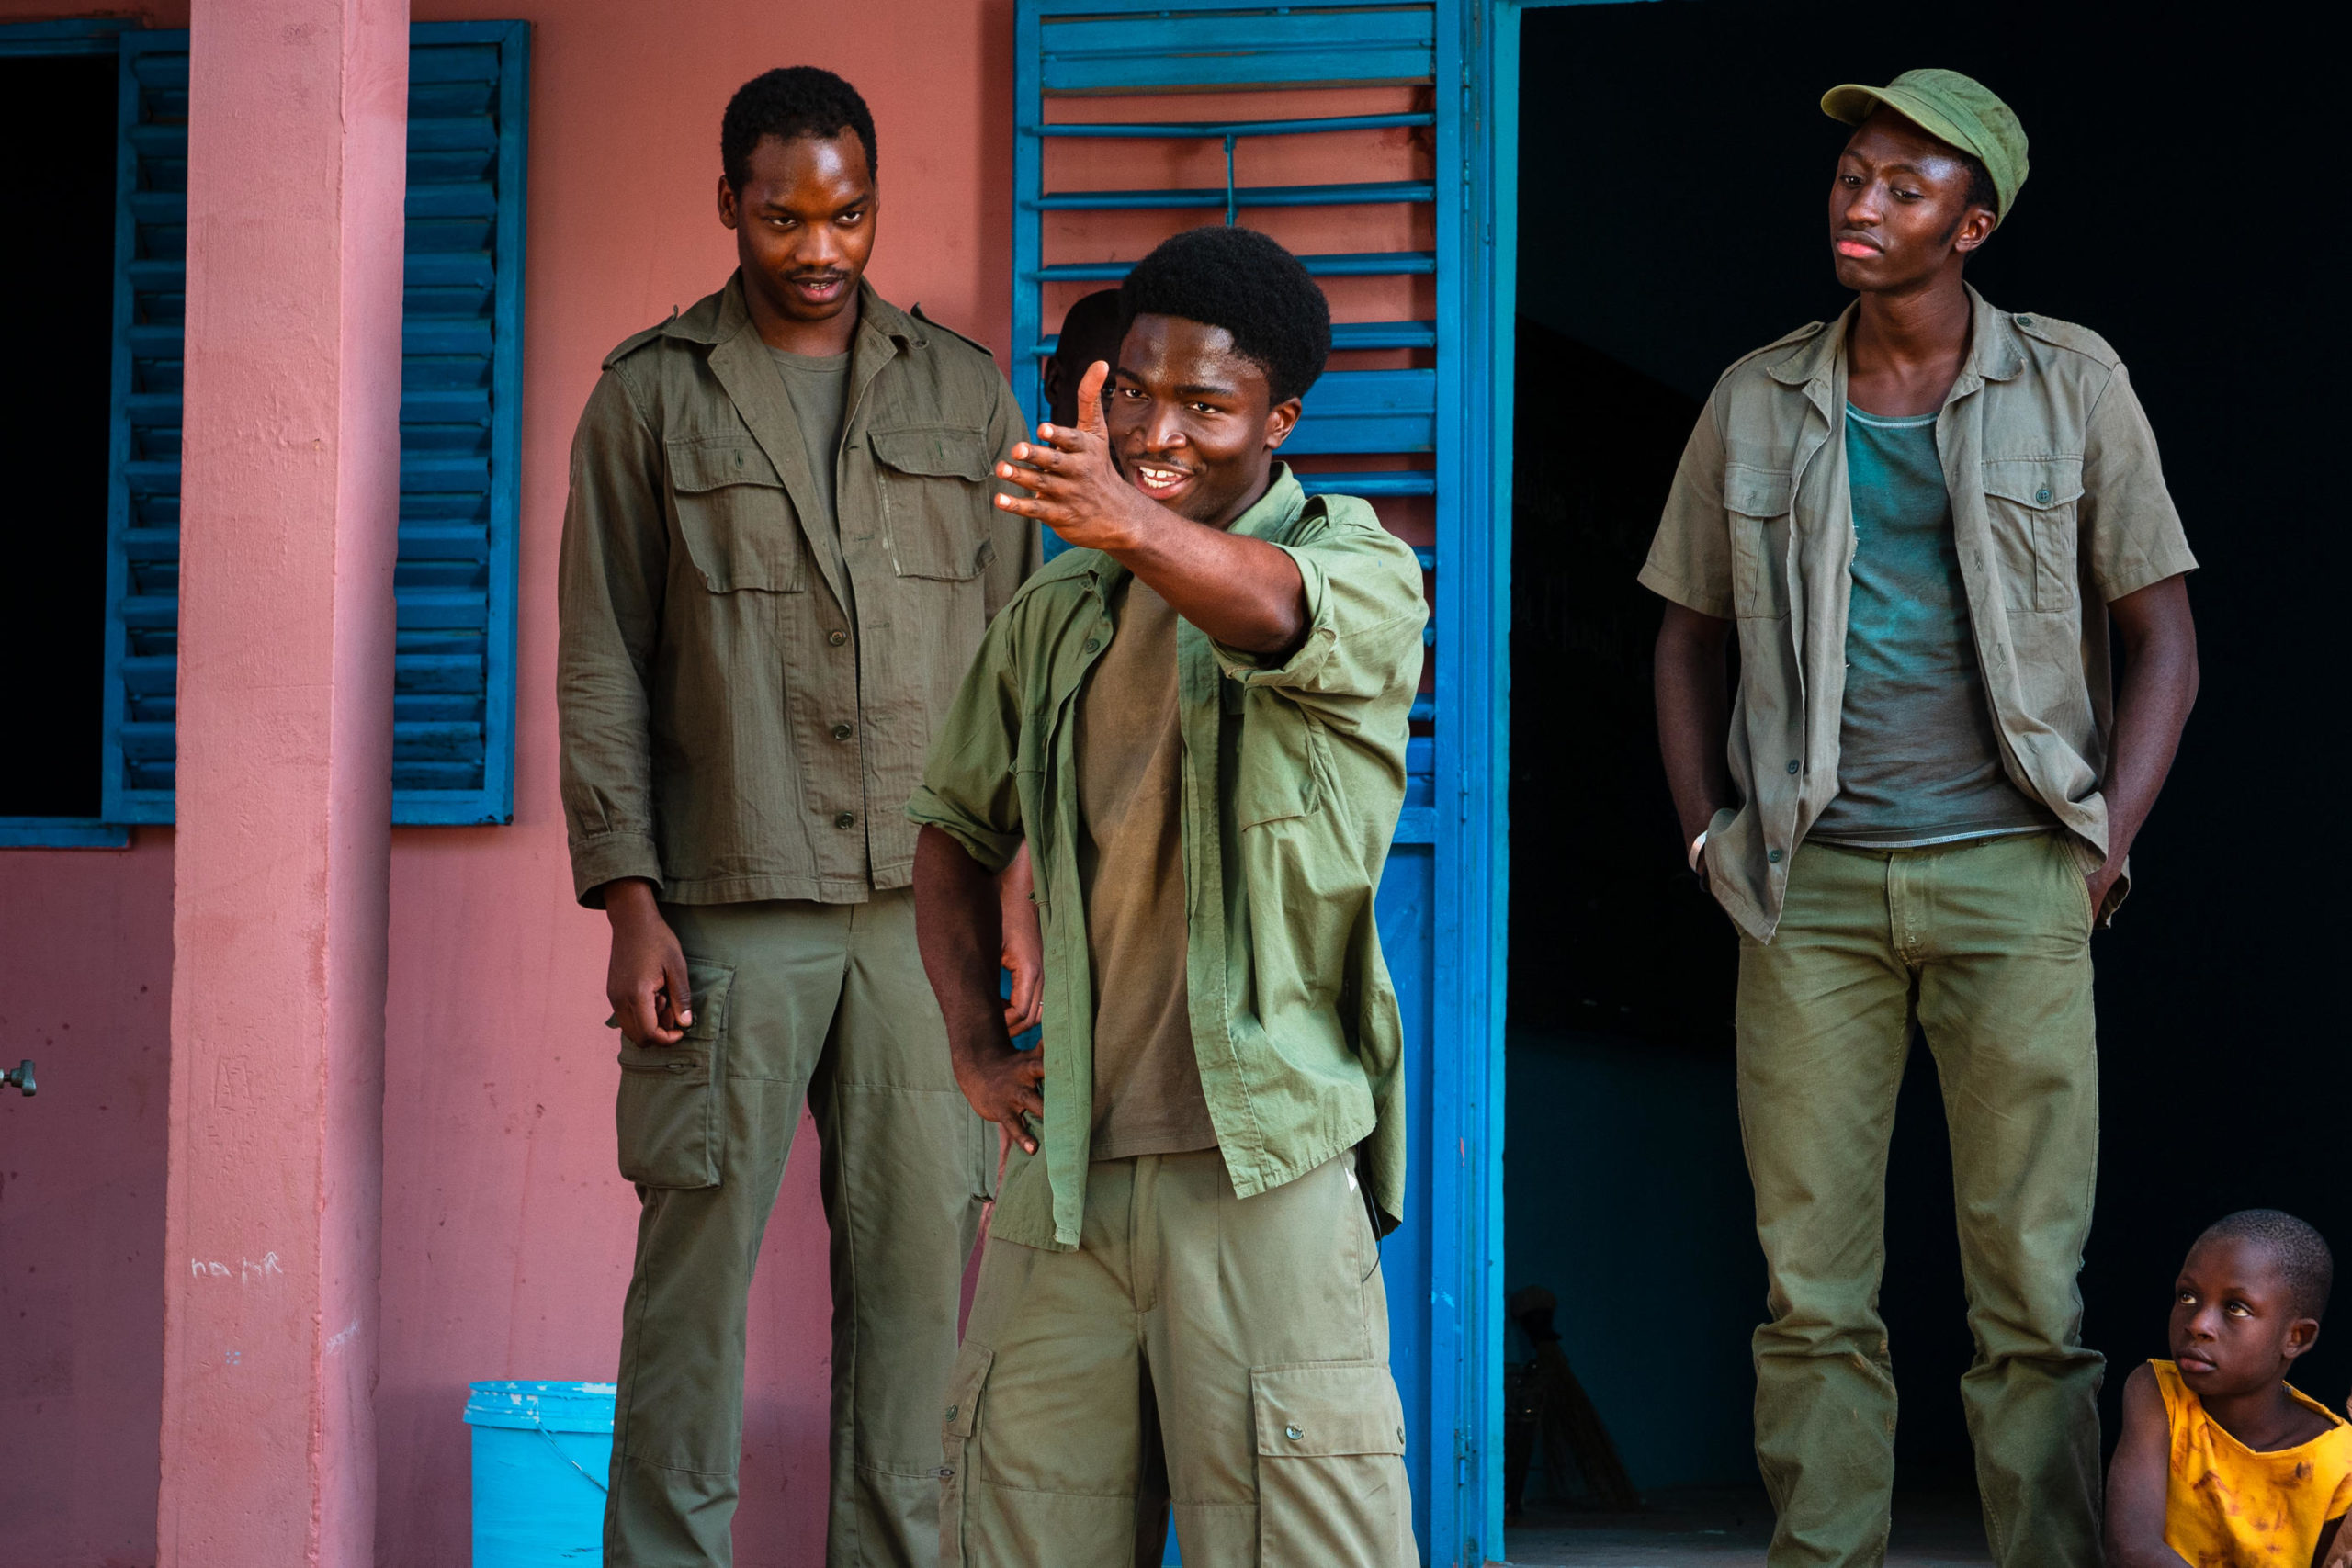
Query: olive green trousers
[[1986, 946], [825, 1003], [1221, 1357]]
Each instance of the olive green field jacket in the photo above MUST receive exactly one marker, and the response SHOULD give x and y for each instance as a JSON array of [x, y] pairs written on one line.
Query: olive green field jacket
[[1293, 776], [730, 730]]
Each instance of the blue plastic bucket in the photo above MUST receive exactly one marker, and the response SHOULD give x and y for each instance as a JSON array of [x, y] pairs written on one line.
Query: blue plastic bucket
[[541, 1452]]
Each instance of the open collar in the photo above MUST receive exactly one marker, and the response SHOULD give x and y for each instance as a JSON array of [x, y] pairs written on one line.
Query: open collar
[[1994, 354]]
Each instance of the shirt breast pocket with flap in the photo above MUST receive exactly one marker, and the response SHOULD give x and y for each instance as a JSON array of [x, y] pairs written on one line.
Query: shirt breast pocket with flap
[[934, 499], [2032, 503], [738, 522], [1756, 508]]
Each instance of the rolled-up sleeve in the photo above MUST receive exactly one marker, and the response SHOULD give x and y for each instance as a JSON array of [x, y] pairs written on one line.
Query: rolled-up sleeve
[[612, 570], [1690, 559], [2130, 532], [1365, 616], [969, 789]]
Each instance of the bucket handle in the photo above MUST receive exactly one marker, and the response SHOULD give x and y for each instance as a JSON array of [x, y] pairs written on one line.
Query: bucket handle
[[550, 1439]]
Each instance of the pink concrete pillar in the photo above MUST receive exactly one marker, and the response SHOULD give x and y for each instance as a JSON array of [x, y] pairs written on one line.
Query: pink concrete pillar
[[290, 453]]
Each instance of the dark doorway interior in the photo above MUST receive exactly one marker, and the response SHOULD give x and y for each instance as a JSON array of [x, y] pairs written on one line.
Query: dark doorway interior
[[1674, 169], [57, 123]]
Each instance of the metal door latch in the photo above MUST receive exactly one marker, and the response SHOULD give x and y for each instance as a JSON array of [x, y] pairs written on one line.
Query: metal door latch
[[19, 1078]]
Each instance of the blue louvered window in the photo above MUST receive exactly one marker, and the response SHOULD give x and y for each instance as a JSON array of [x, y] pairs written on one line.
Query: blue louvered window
[[453, 739]]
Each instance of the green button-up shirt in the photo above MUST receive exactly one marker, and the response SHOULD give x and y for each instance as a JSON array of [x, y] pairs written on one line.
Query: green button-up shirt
[[1293, 777], [738, 722], [2058, 507]]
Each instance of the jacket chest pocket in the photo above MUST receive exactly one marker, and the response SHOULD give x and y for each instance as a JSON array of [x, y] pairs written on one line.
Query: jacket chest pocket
[[1284, 770], [1756, 507], [2031, 502], [934, 486], [737, 523]]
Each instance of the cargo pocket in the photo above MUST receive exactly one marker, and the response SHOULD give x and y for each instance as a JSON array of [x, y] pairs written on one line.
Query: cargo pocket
[[1330, 1472], [963, 1389], [671, 1113], [934, 499], [2032, 502]]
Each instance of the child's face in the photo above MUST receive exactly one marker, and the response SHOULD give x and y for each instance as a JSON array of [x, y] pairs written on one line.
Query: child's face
[[2234, 1329]]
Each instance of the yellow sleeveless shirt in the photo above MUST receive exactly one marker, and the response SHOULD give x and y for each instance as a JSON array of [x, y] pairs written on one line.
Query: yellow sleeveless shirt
[[2229, 1506]]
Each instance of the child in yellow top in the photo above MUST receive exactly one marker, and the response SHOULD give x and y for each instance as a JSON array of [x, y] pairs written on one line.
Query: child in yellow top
[[2221, 1464]]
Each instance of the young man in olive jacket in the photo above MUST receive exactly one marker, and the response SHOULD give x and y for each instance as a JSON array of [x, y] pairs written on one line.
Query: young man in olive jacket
[[779, 557], [1196, 720], [1921, 521]]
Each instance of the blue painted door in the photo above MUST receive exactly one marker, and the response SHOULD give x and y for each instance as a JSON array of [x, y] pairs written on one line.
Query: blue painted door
[[1347, 132]]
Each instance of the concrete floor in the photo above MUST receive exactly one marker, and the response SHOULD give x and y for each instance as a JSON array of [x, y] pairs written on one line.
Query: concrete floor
[[1729, 1529]]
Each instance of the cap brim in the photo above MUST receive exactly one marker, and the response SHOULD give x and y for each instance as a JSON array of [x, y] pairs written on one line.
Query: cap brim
[[1853, 104]]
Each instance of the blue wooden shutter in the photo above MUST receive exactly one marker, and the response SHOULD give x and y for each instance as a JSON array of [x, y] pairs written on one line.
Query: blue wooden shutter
[[460, 425], [143, 468], [461, 383], [1411, 430]]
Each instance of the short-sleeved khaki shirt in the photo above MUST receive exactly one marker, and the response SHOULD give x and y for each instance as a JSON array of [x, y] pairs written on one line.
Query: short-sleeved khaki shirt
[[2065, 511], [745, 693]]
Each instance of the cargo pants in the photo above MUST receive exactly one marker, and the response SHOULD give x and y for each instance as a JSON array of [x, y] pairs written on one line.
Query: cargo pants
[[792, 1001], [1987, 943], [1223, 1358]]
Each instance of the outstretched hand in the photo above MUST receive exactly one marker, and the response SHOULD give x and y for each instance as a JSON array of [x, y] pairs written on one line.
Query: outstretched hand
[[1076, 488]]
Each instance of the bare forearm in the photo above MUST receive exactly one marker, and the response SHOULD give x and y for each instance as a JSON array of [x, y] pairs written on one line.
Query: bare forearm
[[1694, 715], [1243, 593], [959, 930], [2160, 681]]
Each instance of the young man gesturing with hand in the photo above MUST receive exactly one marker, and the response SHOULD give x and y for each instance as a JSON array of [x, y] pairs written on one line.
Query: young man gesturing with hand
[[1197, 720]]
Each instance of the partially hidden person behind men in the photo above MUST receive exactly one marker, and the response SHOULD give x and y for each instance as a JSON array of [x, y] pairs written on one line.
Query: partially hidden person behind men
[[778, 560], [1197, 720], [1921, 521]]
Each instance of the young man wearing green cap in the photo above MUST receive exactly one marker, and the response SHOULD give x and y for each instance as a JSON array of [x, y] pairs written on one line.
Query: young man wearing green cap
[[1924, 522]]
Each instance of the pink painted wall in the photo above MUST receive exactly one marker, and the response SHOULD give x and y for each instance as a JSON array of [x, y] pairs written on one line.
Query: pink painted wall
[[86, 987], [290, 500], [506, 1232]]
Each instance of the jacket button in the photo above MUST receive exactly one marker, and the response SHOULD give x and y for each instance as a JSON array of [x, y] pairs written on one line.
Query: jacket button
[[848, 819], [1793, 765], [2025, 321], [952, 1410], [836, 638], [843, 732], [1292, 1433], [1092, 643], [2042, 496], [1773, 856]]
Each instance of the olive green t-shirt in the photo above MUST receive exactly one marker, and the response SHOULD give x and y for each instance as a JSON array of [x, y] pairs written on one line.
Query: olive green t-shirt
[[1147, 1096], [818, 385]]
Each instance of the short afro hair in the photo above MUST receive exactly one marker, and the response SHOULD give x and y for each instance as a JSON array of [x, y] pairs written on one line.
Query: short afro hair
[[792, 101], [1244, 282], [2300, 1252]]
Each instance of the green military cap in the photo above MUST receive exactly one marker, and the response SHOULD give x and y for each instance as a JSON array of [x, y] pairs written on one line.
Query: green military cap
[[1950, 107]]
